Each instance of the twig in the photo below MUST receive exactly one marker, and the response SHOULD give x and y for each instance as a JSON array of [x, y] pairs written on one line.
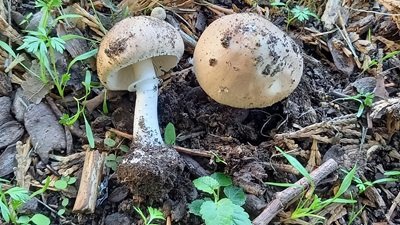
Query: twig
[[396, 202], [283, 198], [180, 149]]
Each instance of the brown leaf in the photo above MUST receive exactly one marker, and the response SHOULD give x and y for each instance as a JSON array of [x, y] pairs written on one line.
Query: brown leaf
[[394, 7]]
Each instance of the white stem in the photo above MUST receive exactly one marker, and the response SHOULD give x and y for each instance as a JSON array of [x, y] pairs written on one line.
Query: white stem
[[146, 129]]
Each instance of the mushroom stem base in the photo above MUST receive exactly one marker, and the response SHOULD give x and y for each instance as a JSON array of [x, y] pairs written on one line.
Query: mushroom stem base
[[151, 173]]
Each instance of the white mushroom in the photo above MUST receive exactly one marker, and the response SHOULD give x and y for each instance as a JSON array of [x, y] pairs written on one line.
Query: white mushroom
[[130, 57], [245, 61]]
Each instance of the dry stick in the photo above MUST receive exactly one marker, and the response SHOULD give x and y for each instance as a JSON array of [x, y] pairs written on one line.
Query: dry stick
[[284, 197], [179, 149], [90, 180]]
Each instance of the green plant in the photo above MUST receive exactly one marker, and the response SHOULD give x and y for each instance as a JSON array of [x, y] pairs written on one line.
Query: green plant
[[112, 161], [297, 13], [70, 120], [217, 210], [309, 205], [64, 182], [154, 214], [13, 199], [375, 62], [63, 208], [363, 185], [365, 100], [170, 134]]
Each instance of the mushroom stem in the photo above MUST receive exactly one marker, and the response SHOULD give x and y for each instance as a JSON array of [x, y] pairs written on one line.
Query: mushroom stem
[[146, 130]]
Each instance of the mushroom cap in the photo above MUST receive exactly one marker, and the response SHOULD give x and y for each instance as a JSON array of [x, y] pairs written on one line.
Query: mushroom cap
[[243, 60], [132, 40]]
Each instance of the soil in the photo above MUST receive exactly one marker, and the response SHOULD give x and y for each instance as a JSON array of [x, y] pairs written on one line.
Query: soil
[[313, 124]]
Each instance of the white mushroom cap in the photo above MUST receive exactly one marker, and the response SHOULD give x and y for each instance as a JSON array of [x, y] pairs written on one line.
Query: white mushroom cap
[[132, 40], [243, 60]]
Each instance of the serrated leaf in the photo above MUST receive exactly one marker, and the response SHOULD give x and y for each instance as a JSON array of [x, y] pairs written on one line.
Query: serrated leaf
[[235, 194], [195, 206], [206, 184], [240, 217], [40, 219], [220, 213], [18, 193], [223, 179]]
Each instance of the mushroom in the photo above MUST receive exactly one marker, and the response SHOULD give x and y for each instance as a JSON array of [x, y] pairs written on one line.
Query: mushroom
[[244, 61], [131, 56]]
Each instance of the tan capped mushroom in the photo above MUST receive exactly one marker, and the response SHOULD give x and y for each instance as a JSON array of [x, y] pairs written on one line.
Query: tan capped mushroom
[[131, 56], [243, 60]]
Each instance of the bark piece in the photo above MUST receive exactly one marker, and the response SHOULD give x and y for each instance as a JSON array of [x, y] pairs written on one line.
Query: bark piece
[[90, 180]]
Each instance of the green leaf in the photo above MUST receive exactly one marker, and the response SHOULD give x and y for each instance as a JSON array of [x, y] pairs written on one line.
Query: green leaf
[[18, 193], [344, 201], [60, 184], [81, 57], [5, 212], [155, 214], [235, 194], [67, 16], [346, 182], [278, 3], [169, 134], [61, 212], [195, 206], [392, 173], [219, 213], [297, 165], [40, 219], [206, 184], [23, 220], [65, 202], [8, 49], [88, 80], [240, 217], [124, 148], [71, 180], [282, 184], [112, 165], [89, 133], [223, 179], [109, 142]]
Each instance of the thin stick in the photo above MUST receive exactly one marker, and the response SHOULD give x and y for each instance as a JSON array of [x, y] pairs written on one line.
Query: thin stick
[[283, 198], [180, 149]]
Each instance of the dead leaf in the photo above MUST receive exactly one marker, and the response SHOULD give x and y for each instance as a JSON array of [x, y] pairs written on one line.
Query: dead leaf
[[34, 89], [394, 7], [43, 127], [343, 63]]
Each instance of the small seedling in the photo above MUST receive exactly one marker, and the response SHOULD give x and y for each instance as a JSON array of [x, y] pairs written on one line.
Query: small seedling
[[70, 120], [310, 204], [298, 13], [364, 185], [365, 100], [170, 134], [63, 209], [154, 214], [216, 210], [112, 161], [64, 182], [13, 199]]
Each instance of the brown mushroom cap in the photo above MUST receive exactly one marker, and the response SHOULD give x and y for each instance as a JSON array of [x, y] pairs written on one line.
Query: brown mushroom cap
[[245, 61], [132, 40]]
